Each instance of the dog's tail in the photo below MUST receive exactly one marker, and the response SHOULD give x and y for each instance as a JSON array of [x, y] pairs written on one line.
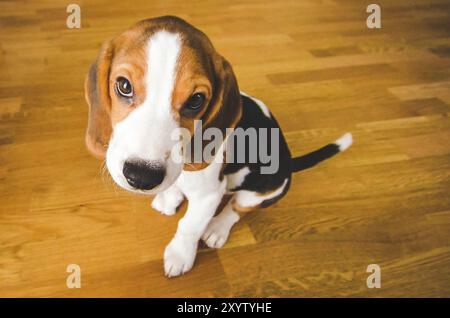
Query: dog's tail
[[311, 159]]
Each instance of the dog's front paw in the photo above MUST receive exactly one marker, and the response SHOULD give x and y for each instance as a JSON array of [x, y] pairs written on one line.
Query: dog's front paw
[[179, 257], [167, 202]]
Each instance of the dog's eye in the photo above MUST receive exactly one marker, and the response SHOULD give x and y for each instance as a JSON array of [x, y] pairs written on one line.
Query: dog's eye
[[123, 87], [195, 101]]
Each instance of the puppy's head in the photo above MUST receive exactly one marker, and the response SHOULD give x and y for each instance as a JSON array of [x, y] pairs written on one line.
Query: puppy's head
[[158, 76]]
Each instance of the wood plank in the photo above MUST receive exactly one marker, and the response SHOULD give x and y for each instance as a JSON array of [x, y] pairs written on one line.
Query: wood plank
[[321, 71]]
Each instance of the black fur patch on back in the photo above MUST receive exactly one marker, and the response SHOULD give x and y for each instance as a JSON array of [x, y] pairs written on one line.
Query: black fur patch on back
[[253, 116]]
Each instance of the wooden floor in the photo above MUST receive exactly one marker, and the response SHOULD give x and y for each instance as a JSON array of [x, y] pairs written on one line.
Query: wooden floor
[[321, 71]]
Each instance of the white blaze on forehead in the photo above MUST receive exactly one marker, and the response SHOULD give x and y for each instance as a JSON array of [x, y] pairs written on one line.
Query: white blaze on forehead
[[162, 56], [146, 132]]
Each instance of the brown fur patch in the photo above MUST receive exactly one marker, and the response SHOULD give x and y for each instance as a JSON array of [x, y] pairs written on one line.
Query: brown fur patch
[[97, 97], [243, 209]]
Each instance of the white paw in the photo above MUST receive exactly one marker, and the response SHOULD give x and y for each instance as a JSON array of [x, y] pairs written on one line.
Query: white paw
[[216, 234], [179, 256], [167, 203]]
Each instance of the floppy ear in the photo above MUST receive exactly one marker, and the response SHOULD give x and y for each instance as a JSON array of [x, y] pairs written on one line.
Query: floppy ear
[[97, 96], [226, 105]]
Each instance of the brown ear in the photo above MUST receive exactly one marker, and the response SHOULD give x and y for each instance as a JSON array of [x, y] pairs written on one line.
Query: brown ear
[[226, 106], [97, 96]]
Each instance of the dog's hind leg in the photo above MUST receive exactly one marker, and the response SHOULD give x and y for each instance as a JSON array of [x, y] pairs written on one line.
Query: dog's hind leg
[[168, 201], [243, 201], [218, 229]]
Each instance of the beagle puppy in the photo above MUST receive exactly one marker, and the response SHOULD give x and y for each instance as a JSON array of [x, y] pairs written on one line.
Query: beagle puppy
[[164, 74]]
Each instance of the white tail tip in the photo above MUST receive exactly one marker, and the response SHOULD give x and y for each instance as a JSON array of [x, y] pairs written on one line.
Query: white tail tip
[[344, 142]]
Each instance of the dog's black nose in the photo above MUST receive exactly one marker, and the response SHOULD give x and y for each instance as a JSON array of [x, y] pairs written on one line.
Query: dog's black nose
[[143, 175]]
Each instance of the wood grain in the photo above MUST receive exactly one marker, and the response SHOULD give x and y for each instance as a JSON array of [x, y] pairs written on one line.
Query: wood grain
[[321, 71]]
